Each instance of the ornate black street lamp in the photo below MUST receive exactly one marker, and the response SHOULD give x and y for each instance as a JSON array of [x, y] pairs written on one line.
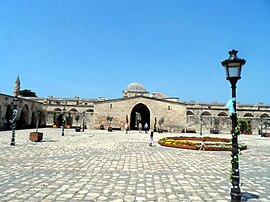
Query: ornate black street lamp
[[233, 67], [261, 124], [201, 123], [16, 101], [63, 121], [83, 116]]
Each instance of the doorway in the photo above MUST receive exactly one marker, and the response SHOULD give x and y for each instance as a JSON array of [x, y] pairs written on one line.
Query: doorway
[[139, 114]]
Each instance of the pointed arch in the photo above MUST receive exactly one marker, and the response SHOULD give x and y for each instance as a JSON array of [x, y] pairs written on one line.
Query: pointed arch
[[73, 110], [206, 113], [57, 110], [222, 114], [248, 115], [264, 115], [139, 114], [8, 116], [23, 121], [90, 110]]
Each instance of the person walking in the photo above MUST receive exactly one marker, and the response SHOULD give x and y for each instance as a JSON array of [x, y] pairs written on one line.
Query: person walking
[[146, 128], [140, 127], [151, 139], [126, 128]]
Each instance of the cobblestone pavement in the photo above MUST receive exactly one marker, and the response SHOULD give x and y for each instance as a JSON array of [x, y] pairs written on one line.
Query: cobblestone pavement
[[101, 166]]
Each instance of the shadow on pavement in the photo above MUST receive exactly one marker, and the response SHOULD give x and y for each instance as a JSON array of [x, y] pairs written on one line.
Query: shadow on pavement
[[247, 196], [49, 141]]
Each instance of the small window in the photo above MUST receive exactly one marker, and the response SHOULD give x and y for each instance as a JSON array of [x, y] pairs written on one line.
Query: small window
[[110, 106], [169, 108]]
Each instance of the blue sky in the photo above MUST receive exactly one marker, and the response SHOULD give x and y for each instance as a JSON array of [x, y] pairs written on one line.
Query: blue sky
[[93, 48]]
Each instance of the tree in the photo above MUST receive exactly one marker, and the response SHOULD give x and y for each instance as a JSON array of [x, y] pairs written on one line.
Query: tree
[[109, 119], [266, 123], [160, 122], [27, 93], [126, 118], [77, 118], [69, 119], [39, 114], [54, 118]]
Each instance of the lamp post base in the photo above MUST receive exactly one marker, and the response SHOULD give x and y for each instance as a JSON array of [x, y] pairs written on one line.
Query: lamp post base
[[12, 142], [63, 129], [235, 197]]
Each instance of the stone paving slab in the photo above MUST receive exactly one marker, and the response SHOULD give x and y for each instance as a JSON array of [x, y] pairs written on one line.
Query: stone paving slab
[[100, 166]]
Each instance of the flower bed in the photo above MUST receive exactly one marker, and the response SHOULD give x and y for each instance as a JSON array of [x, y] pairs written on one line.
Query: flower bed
[[200, 143]]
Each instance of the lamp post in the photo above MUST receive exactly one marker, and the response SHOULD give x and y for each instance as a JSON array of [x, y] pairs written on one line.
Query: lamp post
[[63, 121], [201, 122], [83, 116], [15, 104], [201, 125], [233, 67], [261, 124]]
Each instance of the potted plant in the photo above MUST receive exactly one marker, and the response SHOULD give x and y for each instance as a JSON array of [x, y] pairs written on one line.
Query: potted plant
[[249, 128], [109, 119], [39, 114]]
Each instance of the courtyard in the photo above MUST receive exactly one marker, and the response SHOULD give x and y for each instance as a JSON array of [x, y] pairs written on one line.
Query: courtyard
[[96, 165]]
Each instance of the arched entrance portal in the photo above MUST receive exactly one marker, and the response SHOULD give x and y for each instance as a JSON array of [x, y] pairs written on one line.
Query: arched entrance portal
[[139, 113]]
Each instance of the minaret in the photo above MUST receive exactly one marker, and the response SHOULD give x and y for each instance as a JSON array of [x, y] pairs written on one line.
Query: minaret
[[16, 91]]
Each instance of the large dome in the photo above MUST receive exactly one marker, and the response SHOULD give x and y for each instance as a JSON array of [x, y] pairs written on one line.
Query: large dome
[[136, 87]]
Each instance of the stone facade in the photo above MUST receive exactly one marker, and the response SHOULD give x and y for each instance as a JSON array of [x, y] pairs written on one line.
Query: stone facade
[[70, 106], [137, 105], [214, 116], [25, 116], [173, 113]]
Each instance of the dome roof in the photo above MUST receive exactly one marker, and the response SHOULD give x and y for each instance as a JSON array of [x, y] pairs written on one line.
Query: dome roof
[[136, 87], [159, 95]]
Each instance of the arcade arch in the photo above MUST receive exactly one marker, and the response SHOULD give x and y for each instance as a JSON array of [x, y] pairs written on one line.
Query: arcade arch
[[206, 114], [222, 114], [23, 121], [9, 116], [248, 115], [264, 116], [73, 110], [57, 110]]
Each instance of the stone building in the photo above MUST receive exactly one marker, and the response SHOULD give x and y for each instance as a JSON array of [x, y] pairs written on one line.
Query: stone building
[[26, 116], [140, 106]]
